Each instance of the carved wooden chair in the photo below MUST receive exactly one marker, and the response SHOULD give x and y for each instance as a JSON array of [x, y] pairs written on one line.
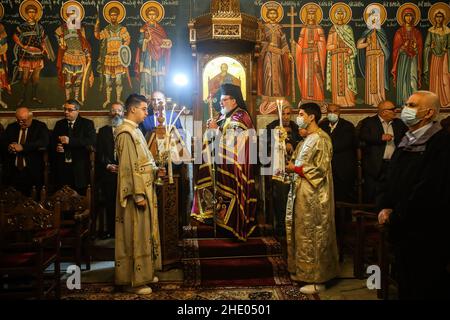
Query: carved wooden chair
[[75, 223], [29, 244], [374, 249]]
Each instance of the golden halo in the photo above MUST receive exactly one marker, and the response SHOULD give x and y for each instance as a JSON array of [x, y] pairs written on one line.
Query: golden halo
[[406, 6], [340, 5], [2, 11], [383, 12], [272, 5], [156, 5], [303, 13], [114, 4], [439, 6], [69, 4], [25, 4]]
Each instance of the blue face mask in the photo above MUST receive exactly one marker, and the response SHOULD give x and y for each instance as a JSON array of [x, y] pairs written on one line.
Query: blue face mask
[[332, 117], [409, 116], [301, 123]]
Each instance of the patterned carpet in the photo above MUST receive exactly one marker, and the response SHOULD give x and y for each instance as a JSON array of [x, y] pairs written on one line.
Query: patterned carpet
[[176, 291]]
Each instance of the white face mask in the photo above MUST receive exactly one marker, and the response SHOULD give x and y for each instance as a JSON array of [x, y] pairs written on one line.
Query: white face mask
[[301, 123], [409, 116], [332, 117]]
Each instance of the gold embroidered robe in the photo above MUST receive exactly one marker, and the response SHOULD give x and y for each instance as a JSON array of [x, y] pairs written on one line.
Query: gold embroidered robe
[[138, 247], [310, 227]]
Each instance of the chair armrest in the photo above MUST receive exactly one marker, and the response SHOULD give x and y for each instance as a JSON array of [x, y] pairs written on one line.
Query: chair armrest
[[48, 236], [82, 216], [355, 206], [364, 214]]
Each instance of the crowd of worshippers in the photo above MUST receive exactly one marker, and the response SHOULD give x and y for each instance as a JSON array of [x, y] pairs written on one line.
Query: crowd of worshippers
[[67, 149]]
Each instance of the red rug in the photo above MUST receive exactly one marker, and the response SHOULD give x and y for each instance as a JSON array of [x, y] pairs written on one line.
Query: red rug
[[228, 262]]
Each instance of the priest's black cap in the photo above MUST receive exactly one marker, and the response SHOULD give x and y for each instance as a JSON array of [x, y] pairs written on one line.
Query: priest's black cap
[[228, 89]]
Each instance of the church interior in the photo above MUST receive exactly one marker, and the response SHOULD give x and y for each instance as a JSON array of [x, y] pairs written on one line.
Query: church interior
[[67, 72]]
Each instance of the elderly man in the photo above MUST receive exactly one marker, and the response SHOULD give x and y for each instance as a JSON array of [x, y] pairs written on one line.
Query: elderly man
[[234, 180], [343, 136], [379, 136], [417, 203], [107, 165], [25, 141], [72, 138], [310, 228], [157, 100], [138, 247], [280, 187]]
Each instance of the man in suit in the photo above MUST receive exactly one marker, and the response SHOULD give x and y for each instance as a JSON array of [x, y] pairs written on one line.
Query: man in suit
[[379, 136], [24, 142], [107, 166], [343, 137], [71, 140], [157, 101], [280, 189]]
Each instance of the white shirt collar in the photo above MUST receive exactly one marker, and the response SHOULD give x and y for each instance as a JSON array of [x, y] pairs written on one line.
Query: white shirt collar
[[416, 134]]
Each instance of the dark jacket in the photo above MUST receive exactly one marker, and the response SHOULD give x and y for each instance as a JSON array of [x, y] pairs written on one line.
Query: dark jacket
[[82, 138], [344, 142], [105, 154], [36, 143], [293, 138], [373, 147]]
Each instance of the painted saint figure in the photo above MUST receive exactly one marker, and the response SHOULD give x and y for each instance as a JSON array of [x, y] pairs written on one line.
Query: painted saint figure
[[341, 54], [311, 54], [4, 83], [274, 65], [436, 55], [153, 52], [112, 37], [31, 47], [74, 54], [373, 64], [407, 53]]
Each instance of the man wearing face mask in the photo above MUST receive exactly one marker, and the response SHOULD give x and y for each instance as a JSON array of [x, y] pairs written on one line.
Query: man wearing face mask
[[310, 227], [379, 136], [417, 203], [107, 166], [343, 137], [235, 183]]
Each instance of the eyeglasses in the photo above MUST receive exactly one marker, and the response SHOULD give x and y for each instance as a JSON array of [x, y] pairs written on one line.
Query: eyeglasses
[[69, 110], [225, 99], [145, 109]]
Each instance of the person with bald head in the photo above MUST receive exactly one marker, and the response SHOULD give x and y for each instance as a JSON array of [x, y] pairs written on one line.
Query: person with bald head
[[23, 143], [379, 135], [343, 137], [416, 205]]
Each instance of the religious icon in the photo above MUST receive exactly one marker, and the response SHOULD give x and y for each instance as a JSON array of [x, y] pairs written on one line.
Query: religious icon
[[274, 65], [217, 72], [31, 46], [311, 54], [114, 39], [373, 63], [74, 53], [4, 83], [153, 53], [436, 66], [341, 55], [407, 53]]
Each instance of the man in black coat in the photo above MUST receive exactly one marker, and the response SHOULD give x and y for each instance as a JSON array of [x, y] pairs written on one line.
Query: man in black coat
[[107, 167], [417, 203], [343, 137], [71, 140], [280, 189], [379, 136], [24, 143]]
